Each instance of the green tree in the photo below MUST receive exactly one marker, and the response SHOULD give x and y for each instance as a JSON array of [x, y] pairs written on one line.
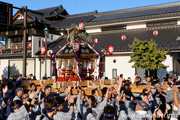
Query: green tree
[[146, 55]]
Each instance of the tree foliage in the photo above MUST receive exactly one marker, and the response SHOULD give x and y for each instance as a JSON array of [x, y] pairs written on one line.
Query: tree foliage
[[146, 55]]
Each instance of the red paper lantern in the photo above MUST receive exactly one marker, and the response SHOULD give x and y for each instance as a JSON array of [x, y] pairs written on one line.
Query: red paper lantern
[[123, 37], [16, 47], [155, 32], [81, 26], [110, 49], [0, 50], [43, 50], [96, 40], [30, 45], [75, 71]]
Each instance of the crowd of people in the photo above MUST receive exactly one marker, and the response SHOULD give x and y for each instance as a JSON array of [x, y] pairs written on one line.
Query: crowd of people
[[19, 78], [154, 102]]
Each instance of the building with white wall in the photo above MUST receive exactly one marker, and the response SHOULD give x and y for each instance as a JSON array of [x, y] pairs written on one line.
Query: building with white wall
[[108, 28]]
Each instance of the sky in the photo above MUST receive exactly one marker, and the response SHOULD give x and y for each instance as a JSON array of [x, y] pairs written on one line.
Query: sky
[[82, 6]]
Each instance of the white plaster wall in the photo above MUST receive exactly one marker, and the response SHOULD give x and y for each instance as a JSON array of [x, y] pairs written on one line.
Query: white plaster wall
[[16, 67], [35, 45], [49, 68], [93, 30], [30, 67], [4, 68], [33, 66], [136, 26], [55, 37], [169, 70], [37, 67], [122, 66]]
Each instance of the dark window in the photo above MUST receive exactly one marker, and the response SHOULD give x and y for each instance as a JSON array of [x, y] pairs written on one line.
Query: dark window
[[51, 37], [39, 42], [15, 40], [162, 23], [113, 28], [177, 66], [114, 73], [19, 39], [151, 72]]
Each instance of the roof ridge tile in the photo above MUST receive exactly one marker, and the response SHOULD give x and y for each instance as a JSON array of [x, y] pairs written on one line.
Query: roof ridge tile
[[143, 8], [81, 14]]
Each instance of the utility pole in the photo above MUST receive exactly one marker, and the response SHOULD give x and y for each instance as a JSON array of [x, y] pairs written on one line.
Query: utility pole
[[46, 33], [24, 41], [46, 58]]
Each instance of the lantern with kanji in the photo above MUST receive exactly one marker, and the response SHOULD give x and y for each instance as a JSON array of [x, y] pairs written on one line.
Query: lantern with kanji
[[110, 49], [96, 40], [123, 37], [0, 50], [30, 45], [155, 32], [16, 47], [43, 50], [81, 26]]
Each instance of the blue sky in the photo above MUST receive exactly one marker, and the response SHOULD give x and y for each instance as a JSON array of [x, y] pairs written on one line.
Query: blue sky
[[83, 6]]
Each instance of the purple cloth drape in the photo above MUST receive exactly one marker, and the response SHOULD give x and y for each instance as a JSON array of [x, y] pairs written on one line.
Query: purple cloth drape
[[52, 57], [54, 73], [77, 57], [100, 64]]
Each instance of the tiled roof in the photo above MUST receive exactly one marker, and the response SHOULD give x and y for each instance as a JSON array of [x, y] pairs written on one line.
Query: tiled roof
[[41, 15], [155, 11], [67, 50], [85, 17], [61, 19], [168, 38], [55, 46]]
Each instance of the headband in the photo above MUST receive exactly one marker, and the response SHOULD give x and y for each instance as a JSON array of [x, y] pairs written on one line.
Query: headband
[[109, 115], [146, 107], [47, 88], [17, 106], [19, 89], [25, 97], [51, 109], [59, 105], [127, 96], [93, 102]]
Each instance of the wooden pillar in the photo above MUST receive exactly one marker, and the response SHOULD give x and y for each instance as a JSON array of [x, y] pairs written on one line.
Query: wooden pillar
[[25, 41]]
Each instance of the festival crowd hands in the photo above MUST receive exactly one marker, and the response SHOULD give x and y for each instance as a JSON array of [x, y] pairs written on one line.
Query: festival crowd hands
[[111, 103]]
